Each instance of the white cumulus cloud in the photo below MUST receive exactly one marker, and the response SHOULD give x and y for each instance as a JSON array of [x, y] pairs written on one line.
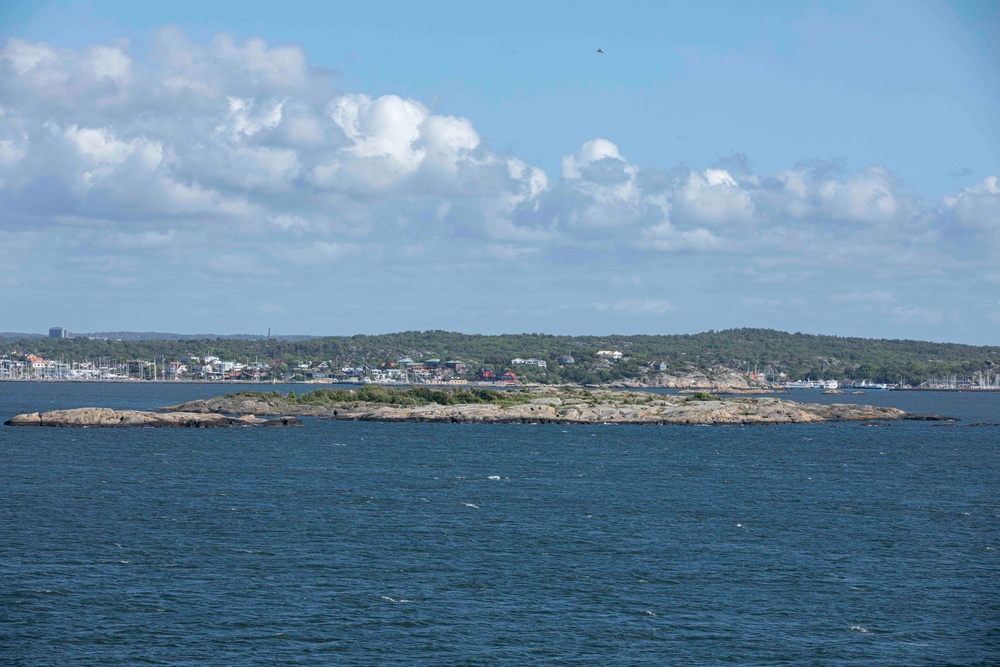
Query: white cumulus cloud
[[714, 197], [978, 207], [236, 154]]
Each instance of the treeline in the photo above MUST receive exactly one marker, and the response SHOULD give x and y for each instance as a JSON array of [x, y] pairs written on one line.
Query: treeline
[[151, 335], [764, 350]]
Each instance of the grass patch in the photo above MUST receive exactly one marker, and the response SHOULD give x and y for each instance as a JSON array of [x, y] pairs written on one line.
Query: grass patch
[[257, 395], [702, 396]]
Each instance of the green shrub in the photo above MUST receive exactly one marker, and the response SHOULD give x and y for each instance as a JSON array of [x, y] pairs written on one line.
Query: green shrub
[[398, 396]]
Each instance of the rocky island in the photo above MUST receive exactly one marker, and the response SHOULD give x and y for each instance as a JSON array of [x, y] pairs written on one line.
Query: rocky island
[[539, 406], [108, 418]]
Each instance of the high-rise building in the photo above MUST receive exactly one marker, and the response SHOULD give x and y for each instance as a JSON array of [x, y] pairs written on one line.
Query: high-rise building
[[58, 332]]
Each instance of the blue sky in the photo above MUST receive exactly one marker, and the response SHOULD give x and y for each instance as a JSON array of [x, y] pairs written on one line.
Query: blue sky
[[340, 168]]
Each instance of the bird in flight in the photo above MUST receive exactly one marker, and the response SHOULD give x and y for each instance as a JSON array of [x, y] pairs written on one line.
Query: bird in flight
[[600, 50]]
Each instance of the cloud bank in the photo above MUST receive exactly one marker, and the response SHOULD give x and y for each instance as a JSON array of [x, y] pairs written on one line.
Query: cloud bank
[[239, 158]]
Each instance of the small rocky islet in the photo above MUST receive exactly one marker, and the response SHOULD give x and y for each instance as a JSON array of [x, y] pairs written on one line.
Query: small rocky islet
[[543, 405], [521, 406], [109, 418]]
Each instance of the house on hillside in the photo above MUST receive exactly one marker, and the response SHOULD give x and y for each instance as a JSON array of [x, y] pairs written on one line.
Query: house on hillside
[[458, 367], [509, 377]]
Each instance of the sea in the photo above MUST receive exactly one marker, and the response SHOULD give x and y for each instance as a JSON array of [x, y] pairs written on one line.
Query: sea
[[352, 543]]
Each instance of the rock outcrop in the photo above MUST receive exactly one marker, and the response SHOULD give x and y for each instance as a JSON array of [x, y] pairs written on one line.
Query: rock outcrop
[[717, 379], [746, 411], [108, 418], [572, 407]]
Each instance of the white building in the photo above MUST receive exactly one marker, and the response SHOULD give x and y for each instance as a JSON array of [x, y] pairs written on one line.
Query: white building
[[529, 362]]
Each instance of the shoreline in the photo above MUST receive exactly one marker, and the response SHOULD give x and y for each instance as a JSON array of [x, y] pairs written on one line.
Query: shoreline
[[474, 405], [489, 385]]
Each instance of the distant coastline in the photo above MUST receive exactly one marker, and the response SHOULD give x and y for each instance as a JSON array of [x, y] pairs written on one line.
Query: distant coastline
[[746, 359], [774, 389]]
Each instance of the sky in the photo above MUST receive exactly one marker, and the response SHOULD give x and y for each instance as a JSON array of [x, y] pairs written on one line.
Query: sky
[[337, 168]]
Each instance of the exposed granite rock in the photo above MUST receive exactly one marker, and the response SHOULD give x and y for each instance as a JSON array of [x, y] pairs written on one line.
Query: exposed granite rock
[[108, 418], [929, 418], [26, 419], [717, 379], [743, 411], [575, 407], [241, 404], [283, 421]]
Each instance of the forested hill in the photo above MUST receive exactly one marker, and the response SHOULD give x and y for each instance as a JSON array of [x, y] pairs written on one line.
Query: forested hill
[[797, 355], [153, 336]]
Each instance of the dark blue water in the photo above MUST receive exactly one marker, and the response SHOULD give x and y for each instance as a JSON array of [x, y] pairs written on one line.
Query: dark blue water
[[345, 543]]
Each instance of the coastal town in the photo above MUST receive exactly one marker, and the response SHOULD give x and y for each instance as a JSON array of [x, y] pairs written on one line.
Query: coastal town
[[213, 369], [419, 358], [405, 371]]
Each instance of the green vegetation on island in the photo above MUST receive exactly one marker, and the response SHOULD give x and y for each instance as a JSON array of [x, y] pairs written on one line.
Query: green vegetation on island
[[395, 396]]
